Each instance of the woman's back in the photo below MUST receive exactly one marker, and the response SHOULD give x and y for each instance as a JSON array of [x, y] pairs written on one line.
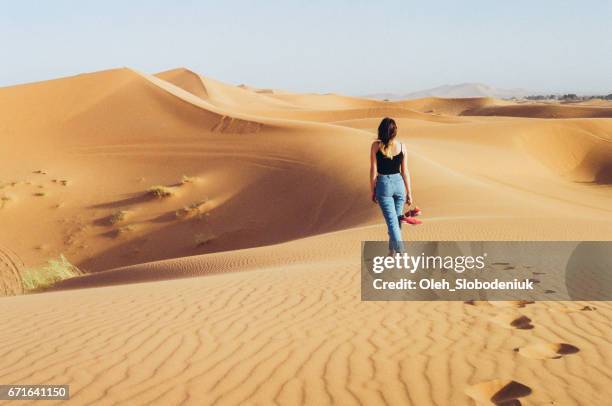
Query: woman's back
[[389, 166]]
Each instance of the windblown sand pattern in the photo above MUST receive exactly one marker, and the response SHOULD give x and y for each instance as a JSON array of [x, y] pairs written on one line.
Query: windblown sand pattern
[[10, 269], [241, 284]]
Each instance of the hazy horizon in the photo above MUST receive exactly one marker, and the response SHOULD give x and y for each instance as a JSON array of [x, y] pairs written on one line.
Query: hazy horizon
[[350, 48]]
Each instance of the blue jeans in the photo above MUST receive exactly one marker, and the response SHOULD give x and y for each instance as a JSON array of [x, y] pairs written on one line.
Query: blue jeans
[[391, 196]]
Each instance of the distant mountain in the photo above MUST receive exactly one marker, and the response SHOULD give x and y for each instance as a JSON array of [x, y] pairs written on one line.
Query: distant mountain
[[457, 91]]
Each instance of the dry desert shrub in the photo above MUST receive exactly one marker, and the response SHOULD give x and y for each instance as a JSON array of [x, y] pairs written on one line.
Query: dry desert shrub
[[55, 270], [118, 217], [159, 192], [189, 179], [195, 209], [4, 200]]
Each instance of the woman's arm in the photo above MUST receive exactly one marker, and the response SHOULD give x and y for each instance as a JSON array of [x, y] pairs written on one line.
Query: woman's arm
[[406, 176], [373, 170]]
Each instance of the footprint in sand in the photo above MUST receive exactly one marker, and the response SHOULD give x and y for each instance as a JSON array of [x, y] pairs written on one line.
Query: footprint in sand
[[574, 309], [498, 392], [522, 323], [513, 321], [547, 350]]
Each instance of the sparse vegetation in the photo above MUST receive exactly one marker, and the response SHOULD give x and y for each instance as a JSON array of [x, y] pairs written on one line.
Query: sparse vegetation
[[40, 194], [55, 270], [193, 210], [118, 217], [159, 192], [3, 200], [188, 179], [568, 97], [64, 182], [40, 172]]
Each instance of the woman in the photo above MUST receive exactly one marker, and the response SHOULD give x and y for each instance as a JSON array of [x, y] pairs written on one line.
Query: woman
[[390, 180]]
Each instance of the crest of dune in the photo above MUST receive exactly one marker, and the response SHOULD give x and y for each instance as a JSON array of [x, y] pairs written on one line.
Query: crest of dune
[[186, 80], [449, 106]]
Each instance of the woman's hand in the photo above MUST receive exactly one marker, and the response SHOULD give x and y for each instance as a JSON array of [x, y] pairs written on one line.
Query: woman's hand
[[374, 199], [409, 201]]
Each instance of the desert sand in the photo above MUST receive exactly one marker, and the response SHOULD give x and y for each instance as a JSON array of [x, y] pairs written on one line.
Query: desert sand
[[235, 280]]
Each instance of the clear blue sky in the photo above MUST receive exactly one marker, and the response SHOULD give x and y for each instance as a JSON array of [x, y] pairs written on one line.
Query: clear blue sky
[[351, 47]]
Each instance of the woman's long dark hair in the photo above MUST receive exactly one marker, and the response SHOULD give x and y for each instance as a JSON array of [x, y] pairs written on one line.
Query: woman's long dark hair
[[387, 130]]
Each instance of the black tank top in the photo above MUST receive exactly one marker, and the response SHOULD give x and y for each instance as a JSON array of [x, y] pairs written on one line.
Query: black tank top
[[389, 166]]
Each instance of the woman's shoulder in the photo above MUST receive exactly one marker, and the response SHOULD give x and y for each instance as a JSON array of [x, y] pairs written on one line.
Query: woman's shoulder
[[376, 144]]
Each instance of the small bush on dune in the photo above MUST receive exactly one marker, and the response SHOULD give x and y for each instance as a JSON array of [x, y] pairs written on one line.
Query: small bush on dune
[[193, 210], [188, 179], [159, 192], [4, 200], [55, 270], [118, 217]]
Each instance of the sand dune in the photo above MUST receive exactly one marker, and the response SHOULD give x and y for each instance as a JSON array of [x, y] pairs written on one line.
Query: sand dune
[[578, 150], [486, 106], [292, 333], [186, 80], [436, 105], [541, 111], [595, 102], [286, 105], [244, 209]]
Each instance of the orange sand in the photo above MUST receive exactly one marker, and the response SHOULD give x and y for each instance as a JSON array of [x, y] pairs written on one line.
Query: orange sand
[[277, 184]]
